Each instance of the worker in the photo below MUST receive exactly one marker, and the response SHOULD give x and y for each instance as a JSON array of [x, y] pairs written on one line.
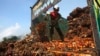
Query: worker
[[55, 16]]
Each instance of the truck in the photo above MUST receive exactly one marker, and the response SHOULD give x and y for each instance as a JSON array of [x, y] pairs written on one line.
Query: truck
[[38, 13]]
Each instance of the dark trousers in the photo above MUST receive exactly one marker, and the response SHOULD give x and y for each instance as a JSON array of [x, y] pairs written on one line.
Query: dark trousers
[[56, 26]]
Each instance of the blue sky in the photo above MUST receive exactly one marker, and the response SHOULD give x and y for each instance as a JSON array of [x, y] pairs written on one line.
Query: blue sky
[[15, 15]]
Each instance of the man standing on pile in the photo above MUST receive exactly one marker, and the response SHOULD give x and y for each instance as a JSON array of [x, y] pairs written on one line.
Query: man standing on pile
[[55, 16]]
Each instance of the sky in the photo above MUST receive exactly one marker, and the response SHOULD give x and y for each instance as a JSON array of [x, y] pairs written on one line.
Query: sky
[[15, 15]]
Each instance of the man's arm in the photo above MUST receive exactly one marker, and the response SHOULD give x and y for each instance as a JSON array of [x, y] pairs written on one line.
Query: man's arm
[[60, 17]]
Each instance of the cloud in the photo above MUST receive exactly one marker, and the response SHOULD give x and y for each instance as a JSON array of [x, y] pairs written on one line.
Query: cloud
[[9, 31]]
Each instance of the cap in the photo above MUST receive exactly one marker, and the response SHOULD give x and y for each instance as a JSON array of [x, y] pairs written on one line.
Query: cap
[[56, 8]]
